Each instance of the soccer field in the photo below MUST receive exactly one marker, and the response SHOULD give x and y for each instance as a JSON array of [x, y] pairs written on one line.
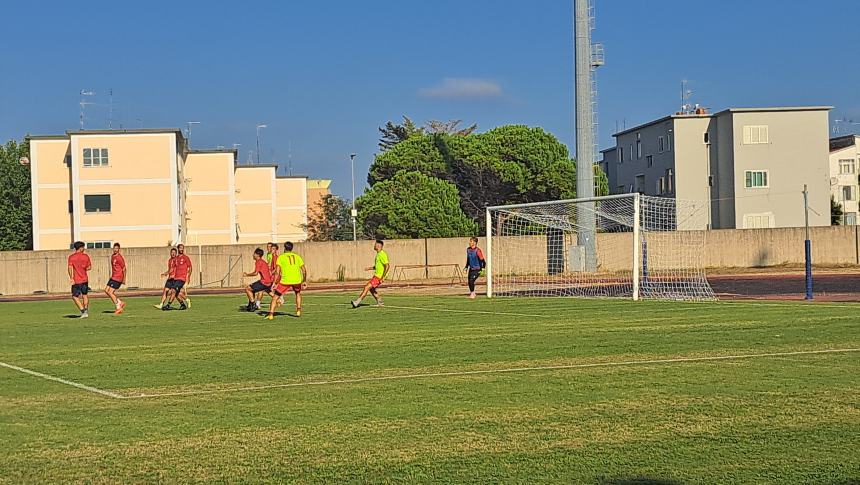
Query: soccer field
[[432, 389]]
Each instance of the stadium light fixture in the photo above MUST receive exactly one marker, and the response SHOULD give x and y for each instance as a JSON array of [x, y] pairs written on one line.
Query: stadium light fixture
[[259, 126], [188, 133]]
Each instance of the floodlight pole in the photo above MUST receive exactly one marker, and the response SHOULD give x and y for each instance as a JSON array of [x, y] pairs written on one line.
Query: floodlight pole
[[190, 124], [584, 97], [259, 125], [807, 244], [489, 237], [353, 212]]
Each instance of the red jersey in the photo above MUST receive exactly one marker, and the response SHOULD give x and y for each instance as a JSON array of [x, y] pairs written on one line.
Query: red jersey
[[264, 270], [171, 267], [117, 265], [273, 261], [183, 267], [80, 264]]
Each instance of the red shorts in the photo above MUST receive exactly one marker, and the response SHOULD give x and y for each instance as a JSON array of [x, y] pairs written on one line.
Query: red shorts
[[375, 282], [281, 289]]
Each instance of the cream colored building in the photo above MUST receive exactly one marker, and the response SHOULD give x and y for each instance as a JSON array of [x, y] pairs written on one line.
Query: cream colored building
[[145, 188], [844, 170], [749, 164]]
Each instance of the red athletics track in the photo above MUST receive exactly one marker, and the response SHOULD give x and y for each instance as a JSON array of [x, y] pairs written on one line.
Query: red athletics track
[[834, 287], [843, 287]]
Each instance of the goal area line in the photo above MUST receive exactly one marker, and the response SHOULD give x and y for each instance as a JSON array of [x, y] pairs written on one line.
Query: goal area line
[[423, 375]]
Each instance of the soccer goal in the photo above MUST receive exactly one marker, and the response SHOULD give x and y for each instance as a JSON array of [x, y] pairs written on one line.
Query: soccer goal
[[625, 246]]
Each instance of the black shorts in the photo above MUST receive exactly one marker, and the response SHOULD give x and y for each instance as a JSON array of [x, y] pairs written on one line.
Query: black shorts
[[114, 284], [80, 289], [258, 286], [169, 283], [177, 285]]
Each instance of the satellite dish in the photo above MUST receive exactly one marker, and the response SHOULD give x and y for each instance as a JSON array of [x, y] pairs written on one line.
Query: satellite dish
[[834, 181]]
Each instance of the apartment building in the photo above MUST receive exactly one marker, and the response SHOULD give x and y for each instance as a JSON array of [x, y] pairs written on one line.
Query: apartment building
[[844, 164], [749, 164], [145, 188]]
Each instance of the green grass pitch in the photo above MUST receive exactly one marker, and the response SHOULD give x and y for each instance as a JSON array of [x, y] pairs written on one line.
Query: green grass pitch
[[229, 396]]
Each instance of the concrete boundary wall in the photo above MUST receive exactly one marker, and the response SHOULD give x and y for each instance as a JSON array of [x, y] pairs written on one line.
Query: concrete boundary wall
[[26, 272]]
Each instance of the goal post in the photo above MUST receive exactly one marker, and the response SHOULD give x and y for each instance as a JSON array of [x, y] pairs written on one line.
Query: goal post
[[646, 248]]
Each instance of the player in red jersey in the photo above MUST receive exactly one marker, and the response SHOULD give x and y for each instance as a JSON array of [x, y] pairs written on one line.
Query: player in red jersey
[[117, 278], [170, 273], [255, 290], [79, 264], [182, 275]]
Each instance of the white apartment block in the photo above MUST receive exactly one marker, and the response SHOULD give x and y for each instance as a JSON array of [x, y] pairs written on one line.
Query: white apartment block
[[844, 165], [750, 164]]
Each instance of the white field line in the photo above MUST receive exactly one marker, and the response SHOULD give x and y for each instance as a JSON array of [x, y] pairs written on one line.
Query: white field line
[[359, 380], [63, 381], [445, 310]]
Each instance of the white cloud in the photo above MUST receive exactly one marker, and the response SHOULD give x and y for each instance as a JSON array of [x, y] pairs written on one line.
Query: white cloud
[[463, 88]]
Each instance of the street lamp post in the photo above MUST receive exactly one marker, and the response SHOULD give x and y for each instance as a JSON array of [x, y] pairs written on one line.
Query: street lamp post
[[261, 125], [354, 213], [189, 123]]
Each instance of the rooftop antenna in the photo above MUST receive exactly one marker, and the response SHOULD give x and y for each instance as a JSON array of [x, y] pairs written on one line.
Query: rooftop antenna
[[686, 94], [843, 121], [110, 109], [188, 134], [290, 157], [84, 103]]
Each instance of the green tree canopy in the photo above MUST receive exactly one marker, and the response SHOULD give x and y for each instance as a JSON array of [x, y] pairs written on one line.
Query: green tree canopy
[[393, 133], [413, 205], [332, 222], [16, 224], [509, 164]]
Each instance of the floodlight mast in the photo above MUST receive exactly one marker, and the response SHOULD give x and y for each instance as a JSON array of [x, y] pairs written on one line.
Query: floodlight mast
[[584, 98]]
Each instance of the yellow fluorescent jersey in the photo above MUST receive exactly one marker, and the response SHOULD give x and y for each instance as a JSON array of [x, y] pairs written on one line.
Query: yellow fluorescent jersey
[[291, 268], [379, 264]]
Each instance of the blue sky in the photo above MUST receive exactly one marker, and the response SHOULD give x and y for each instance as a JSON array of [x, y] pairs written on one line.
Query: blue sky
[[324, 75]]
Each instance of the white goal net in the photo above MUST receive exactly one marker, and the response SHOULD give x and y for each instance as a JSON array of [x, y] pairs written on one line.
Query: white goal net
[[626, 246]]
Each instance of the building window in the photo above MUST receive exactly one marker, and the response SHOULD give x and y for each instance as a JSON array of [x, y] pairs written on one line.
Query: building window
[[669, 141], [95, 157], [631, 151], [661, 144], [756, 179], [851, 219], [706, 137], [846, 167], [758, 221], [97, 203], [661, 186], [639, 183], [620, 155], [755, 134], [848, 193], [650, 160], [99, 245], [638, 149], [670, 180]]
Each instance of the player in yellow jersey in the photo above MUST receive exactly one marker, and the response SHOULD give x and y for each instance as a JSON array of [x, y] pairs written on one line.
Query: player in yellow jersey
[[380, 271], [290, 274]]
